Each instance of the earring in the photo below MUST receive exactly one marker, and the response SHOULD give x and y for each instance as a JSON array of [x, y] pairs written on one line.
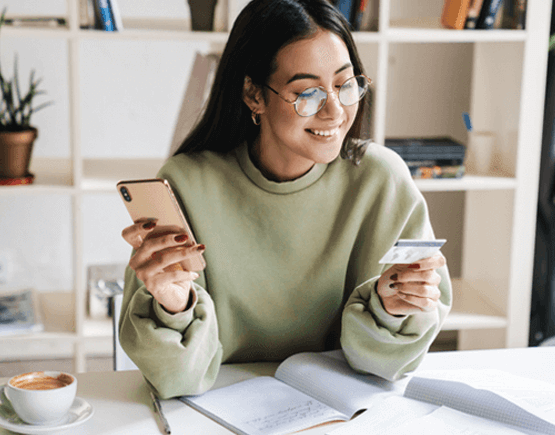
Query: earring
[[255, 118]]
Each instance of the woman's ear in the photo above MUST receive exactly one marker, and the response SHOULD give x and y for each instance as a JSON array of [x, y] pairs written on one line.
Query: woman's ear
[[252, 96]]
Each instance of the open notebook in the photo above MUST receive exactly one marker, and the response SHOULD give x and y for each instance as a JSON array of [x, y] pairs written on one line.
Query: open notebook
[[314, 388], [308, 389]]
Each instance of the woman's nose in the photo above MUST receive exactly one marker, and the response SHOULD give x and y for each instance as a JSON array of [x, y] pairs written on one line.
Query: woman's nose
[[333, 107]]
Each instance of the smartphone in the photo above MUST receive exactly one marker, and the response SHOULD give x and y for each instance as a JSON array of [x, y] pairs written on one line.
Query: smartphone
[[154, 199]]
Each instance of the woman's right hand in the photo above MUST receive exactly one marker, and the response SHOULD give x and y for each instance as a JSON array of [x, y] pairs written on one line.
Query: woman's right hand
[[156, 263]]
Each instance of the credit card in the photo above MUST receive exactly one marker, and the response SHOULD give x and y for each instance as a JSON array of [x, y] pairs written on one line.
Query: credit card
[[407, 251]]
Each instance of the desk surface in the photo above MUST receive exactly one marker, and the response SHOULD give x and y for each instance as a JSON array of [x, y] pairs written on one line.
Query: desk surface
[[122, 404]]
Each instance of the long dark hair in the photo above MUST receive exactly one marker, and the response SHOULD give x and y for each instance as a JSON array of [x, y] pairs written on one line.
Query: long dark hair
[[259, 32]]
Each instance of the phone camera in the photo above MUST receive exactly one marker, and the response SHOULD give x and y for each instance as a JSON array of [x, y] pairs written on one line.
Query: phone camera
[[125, 194]]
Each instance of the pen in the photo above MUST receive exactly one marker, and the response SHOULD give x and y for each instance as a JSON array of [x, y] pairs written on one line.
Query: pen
[[158, 409]]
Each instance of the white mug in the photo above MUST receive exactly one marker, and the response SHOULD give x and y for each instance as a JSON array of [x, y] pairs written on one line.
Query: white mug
[[41, 398]]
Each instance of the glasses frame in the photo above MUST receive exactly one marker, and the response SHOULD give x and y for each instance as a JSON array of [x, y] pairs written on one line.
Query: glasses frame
[[294, 103]]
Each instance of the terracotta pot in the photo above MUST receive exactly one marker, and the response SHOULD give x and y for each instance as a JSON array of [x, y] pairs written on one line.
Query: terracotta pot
[[202, 14], [15, 152]]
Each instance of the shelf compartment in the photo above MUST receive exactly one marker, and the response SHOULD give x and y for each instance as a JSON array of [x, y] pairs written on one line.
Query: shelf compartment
[[471, 311], [102, 175], [58, 338]]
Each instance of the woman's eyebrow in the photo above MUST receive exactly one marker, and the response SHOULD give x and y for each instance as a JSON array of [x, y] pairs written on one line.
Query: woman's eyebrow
[[301, 76]]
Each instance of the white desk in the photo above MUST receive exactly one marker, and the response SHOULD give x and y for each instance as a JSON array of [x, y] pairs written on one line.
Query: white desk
[[122, 404]]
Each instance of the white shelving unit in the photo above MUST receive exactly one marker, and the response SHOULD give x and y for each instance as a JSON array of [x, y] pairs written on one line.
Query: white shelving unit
[[424, 76]]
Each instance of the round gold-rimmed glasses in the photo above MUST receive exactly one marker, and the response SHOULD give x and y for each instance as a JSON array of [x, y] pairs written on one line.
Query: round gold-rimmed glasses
[[312, 100]]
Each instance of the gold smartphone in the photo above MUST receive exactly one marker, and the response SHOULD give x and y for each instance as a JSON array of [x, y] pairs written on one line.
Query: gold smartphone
[[154, 199]]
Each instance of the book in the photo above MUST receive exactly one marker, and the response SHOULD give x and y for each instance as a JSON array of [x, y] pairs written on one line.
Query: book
[[432, 171], [367, 16], [428, 151], [196, 95], [86, 14], [347, 8], [358, 13], [36, 21], [454, 13], [490, 394], [308, 389], [473, 14], [104, 19], [514, 14], [19, 312], [488, 13], [116, 16]]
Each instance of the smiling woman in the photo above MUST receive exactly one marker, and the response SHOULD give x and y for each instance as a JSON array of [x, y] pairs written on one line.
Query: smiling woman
[[293, 233]]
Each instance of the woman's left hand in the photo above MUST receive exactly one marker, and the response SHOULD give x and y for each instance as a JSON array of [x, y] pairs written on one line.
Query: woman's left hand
[[411, 288]]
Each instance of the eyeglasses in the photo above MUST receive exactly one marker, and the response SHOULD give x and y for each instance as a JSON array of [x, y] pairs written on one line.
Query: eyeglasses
[[312, 100]]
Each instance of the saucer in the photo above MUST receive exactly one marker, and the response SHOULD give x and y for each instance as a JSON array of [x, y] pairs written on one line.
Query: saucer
[[79, 413]]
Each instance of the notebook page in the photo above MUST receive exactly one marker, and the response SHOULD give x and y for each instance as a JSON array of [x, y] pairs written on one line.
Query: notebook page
[[452, 422], [388, 414], [330, 379], [480, 402], [262, 406], [534, 396]]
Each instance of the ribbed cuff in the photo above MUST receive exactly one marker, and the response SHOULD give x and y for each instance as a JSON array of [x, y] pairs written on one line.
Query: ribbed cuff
[[178, 321]]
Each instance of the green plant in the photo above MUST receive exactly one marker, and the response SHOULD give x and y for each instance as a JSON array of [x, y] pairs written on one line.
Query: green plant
[[16, 108]]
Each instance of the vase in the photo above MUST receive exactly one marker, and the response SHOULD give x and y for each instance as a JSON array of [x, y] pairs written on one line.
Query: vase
[[202, 14], [15, 152]]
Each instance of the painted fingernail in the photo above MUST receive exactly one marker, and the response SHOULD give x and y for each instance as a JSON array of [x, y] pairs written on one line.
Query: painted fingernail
[[393, 286], [149, 225], [414, 266], [201, 248], [181, 238], [393, 277]]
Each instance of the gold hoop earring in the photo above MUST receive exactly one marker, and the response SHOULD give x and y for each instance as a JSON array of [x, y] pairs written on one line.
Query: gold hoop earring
[[255, 118]]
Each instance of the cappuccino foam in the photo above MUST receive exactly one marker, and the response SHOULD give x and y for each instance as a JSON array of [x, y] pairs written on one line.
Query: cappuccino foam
[[40, 381]]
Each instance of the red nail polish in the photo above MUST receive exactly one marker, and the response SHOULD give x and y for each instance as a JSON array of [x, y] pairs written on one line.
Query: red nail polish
[[181, 238], [414, 266], [201, 248], [393, 277], [149, 225]]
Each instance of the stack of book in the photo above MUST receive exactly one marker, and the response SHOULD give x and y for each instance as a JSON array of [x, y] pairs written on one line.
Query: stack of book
[[361, 14], [484, 14], [436, 157], [19, 312]]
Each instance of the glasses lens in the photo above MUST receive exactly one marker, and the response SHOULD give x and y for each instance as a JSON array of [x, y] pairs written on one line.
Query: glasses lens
[[310, 101], [353, 90]]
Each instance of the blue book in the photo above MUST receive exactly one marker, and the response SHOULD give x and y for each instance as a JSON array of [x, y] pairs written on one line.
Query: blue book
[[346, 8], [106, 18], [489, 10]]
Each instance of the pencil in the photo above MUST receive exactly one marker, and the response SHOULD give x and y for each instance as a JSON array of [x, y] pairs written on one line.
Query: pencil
[[158, 410]]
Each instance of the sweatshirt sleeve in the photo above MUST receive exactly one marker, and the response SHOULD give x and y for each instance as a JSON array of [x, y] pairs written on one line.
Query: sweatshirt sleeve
[[178, 354], [374, 341]]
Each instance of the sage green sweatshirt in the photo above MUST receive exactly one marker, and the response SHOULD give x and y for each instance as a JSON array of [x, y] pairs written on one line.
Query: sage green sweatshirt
[[291, 267]]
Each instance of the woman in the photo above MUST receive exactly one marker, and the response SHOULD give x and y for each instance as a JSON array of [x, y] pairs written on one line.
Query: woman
[[293, 233]]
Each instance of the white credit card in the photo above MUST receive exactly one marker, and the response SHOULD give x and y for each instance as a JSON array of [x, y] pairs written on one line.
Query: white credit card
[[407, 251]]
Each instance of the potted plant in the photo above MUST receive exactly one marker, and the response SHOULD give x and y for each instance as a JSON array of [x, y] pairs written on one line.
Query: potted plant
[[17, 135]]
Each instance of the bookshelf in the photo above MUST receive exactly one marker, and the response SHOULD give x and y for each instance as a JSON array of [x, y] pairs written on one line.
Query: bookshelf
[[424, 77]]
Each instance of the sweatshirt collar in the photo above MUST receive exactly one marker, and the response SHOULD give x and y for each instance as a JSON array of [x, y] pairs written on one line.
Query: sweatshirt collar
[[285, 187]]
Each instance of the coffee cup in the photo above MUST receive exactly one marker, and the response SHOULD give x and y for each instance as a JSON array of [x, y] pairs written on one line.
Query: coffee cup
[[41, 398]]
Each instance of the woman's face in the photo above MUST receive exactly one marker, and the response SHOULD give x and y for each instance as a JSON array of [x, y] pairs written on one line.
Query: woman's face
[[288, 144]]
